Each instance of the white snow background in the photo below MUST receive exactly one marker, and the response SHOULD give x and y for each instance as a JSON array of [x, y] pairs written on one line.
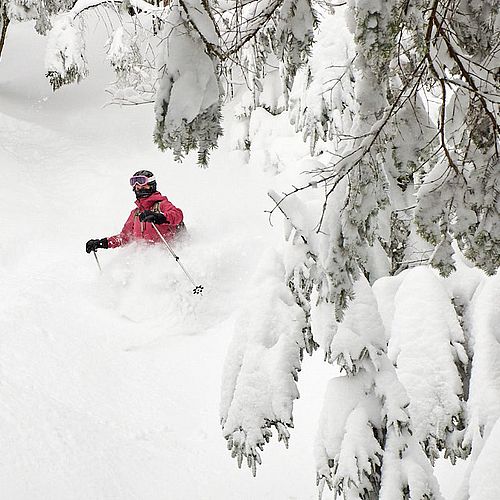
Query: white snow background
[[110, 382]]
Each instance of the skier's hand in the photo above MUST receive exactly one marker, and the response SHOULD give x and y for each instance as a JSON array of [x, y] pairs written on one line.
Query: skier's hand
[[150, 216], [93, 245]]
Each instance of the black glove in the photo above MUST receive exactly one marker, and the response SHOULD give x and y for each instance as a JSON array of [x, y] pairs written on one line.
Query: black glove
[[93, 245], [150, 216]]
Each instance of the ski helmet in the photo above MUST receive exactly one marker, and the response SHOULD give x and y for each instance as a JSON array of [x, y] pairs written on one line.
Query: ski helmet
[[145, 192]]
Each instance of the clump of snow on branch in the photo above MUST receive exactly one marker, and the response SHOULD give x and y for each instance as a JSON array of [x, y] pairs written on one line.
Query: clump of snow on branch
[[483, 406], [358, 341], [321, 100], [427, 347], [65, 57], [187, 106], [346, 442], [293, 36], [262, 364], [365, 446], [484, 319]]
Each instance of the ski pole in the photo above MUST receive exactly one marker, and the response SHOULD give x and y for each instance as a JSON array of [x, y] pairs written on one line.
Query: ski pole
[[197, 288], [97, 260]]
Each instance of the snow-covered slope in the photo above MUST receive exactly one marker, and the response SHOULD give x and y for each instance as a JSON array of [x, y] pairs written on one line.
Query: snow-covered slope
[[110, 383]]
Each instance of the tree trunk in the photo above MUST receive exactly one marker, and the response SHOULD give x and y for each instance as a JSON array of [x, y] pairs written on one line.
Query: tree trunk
[[4, 22]]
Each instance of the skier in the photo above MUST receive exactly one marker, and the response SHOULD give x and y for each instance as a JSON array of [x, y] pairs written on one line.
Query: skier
[[152, 207]]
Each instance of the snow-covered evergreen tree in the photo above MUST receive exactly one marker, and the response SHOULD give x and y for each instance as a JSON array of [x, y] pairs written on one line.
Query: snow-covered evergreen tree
[[376, 138]]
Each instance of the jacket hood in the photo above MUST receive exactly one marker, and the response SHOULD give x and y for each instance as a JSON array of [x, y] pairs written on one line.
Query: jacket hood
[[147, 203]]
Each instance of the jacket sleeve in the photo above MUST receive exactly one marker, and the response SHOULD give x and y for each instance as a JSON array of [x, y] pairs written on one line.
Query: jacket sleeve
[[126, 233], [172, 213]]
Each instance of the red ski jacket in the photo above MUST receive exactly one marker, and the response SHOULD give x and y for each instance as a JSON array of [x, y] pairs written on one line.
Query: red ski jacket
[[134, 229]]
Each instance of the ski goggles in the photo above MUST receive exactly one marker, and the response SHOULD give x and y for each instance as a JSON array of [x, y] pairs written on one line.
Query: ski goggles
[[141, 180]]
